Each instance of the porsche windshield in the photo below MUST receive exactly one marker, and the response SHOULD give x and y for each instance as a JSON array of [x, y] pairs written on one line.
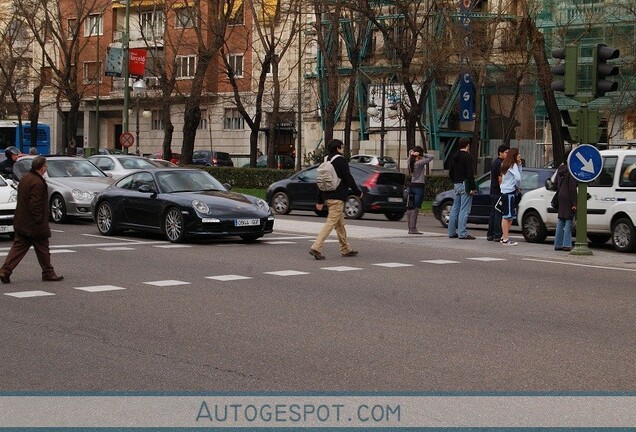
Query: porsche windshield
[[180, 180]]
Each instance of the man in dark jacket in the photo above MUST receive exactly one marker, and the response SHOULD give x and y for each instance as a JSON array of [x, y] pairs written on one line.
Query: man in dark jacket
[[6, 166], [494, 221], [335, 201], [31, 224], [461, 173]]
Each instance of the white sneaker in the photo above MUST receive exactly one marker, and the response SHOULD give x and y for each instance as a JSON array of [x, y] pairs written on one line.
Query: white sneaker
[[509, 242]]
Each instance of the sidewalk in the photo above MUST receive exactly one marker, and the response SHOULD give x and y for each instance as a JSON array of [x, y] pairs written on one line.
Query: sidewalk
[[601, 257]]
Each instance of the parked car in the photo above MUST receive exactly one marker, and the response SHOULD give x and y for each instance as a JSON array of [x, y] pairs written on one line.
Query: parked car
[[106, 151], [72, 182], [383, 161], [8, 201], [611, 205], [120, 165], [174, 158], [531, 178], [282, 162], [383, 192], [181, 203], [164, 163], [211, 158]]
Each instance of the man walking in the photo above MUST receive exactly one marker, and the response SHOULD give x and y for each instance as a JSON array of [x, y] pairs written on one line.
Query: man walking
[[461, 173], [335, 203], [494, 221], [31, 224]]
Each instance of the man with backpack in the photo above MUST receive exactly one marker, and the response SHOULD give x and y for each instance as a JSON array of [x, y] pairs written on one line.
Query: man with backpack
[[334, 193]]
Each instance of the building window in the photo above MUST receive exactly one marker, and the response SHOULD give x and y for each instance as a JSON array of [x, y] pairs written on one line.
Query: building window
[[233, 119], [152, 24], [72, 28], [203, 123], [186, 66], [185, 17], [236, 65], [157, 123], [93, 25], [92, 72]]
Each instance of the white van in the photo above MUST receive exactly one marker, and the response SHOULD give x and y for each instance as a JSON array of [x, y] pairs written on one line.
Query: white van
[[611, 206]]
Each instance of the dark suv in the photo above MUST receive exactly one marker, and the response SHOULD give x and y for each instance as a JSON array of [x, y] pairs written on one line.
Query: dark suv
[[211, 158]]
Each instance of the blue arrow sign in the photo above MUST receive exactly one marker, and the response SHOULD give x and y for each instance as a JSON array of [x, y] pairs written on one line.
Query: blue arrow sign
[[585, 163]]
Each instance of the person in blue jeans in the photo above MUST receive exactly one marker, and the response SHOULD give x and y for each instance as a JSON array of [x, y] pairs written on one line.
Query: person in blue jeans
[[566, 185], [463, 177]]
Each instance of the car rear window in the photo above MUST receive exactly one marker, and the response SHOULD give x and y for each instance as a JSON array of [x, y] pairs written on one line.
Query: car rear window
[[393, 179], [387, 159], [222, 156]]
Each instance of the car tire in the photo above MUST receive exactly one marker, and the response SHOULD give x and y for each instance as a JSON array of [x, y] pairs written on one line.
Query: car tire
[[623, 235], [533, 228], [353, 208], [598, 239], [105, 217], [250, 238], [280, 203], [444, 212], [394, 216], [58, 209], [173, 226]]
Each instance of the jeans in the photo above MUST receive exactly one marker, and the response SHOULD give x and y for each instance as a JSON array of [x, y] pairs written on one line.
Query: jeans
[[459, 212], [494, 221], [563, 234], [418, 196]]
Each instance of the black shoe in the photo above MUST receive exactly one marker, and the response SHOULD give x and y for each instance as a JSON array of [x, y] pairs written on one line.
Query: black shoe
[[453, 236], [54, 278], [316, 254], [496, 239], [351, 253], [4, 278], [468, 237], [490, 238]]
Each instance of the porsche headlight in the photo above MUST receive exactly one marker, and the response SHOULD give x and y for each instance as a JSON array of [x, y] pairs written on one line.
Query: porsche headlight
[[81, 195], [201, 207], [261, 204]]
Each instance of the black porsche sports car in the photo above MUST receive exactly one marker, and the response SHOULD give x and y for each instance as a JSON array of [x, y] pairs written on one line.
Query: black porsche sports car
[[180, 203]]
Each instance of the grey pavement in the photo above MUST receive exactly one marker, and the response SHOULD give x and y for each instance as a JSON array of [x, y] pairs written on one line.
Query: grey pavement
[[605, 257]]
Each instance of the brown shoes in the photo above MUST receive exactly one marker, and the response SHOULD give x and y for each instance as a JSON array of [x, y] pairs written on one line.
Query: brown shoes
[[316, 254], [351, 253], [4, 278], [54, 278]]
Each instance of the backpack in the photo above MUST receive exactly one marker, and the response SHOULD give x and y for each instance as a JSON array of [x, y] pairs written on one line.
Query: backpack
[[326, 178]]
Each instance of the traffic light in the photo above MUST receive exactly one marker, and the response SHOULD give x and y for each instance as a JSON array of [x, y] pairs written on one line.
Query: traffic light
[[601, 70], [571, 131], [566, 69]]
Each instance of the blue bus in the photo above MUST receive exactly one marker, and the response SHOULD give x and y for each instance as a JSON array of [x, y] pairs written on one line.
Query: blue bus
[[11, 136]]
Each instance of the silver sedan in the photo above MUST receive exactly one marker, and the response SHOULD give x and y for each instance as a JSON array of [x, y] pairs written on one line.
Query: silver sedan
[[120, 164]]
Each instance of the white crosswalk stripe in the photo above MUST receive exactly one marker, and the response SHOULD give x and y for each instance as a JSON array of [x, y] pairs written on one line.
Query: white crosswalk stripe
[[342, 268], [224, 278], [100, 288], [287, 273], [165, 283], [393, 265], [27, 294], [440, 261], [487, 259]]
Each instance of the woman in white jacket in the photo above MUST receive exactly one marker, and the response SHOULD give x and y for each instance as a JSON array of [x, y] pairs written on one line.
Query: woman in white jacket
[[510, 187]]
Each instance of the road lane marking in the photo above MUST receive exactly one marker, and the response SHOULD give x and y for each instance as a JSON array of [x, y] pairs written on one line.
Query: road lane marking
[[224, 278], [487, 259], [580, 265], [117, 248], [54, 251], [440, 261], [99, 288], [287, 273], [164, 283], [341, 268], [393, 265], [173, 246], [278, 242], [25, 294]]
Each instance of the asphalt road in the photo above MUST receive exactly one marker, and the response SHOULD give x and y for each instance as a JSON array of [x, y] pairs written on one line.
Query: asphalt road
[[421, 313]]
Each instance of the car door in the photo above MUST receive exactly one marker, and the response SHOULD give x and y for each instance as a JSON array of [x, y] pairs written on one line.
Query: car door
[[480, 208], [602, 191], [143, 208], [302, 191]]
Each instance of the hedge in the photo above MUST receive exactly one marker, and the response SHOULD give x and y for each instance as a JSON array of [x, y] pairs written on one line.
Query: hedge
[[261, 178]]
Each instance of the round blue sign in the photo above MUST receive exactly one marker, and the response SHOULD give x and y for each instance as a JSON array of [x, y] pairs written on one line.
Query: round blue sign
[[585, 163]]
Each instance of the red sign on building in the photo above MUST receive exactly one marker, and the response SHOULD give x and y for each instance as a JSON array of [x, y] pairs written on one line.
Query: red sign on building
[[137, 62]]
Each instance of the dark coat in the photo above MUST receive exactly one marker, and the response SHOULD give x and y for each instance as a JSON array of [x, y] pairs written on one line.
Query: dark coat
[[567, 192], [32, 211], [346, 181]]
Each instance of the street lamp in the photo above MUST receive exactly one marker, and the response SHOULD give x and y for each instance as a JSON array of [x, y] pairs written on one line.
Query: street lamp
[[125, 72], [139, 87], [373, 111]]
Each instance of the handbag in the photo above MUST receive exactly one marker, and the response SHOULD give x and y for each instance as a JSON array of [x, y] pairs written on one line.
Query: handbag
[[555, 199]]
